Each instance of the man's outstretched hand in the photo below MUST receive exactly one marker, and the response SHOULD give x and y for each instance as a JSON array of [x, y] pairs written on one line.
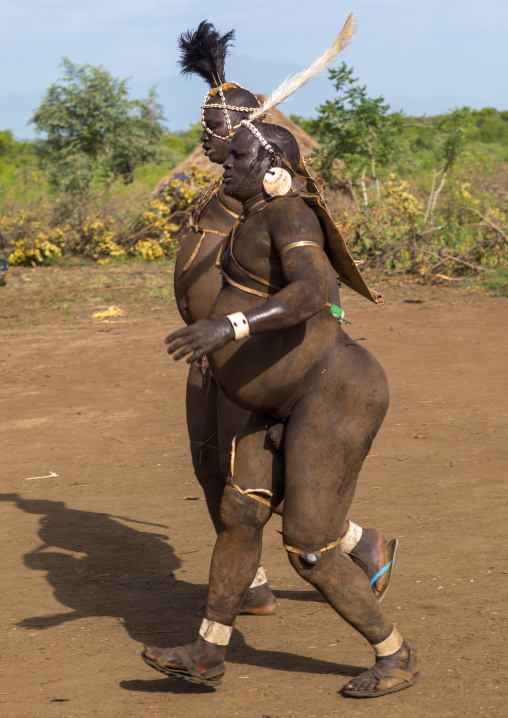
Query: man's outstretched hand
[[200, 338]]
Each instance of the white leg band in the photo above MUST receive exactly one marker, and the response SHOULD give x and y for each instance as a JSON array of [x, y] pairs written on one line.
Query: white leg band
[[260, 578], [390, 645], [240, 325], [351, 537], [214, 632]]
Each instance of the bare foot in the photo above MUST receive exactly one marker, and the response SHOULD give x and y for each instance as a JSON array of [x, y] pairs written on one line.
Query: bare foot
[[390, 673], [369, 555], [205, 655], [258, 601]]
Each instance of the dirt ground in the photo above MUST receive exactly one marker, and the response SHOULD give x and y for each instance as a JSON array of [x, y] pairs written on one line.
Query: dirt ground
[[110, 551]]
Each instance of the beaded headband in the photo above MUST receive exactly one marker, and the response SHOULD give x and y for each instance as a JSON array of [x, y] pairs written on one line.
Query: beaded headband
[[224, 107], [257, 134]]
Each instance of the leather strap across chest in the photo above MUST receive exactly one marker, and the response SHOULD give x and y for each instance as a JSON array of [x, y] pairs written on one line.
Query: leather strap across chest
[[206, 230], [245, 271], [242, 269]]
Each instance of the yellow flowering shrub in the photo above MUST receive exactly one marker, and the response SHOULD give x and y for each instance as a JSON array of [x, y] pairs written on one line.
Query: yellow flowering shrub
[[20, 225], [98, 240], [163, 218], [35, 252], [30, 240], [391, 233], [149, 249], [382, 228], [38, 237], [400, 202]]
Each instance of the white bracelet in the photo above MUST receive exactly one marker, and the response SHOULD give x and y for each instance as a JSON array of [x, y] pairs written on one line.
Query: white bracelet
[[240, 325]]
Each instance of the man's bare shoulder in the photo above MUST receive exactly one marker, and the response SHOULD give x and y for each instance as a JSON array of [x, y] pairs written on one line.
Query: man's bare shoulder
[[292, 213]]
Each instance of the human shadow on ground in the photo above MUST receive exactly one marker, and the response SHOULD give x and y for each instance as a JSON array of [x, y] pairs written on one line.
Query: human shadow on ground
[[98, 566]]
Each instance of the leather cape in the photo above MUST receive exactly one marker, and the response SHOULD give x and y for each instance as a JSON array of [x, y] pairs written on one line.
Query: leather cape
[[335, 245]]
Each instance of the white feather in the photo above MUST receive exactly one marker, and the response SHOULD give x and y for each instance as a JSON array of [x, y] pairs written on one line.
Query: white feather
[[291, 84]]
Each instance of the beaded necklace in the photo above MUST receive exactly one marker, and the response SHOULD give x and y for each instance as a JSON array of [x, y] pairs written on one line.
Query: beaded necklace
[[205, 197]]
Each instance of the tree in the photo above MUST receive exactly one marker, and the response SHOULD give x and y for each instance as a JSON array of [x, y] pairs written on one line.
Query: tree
[[354, 131], [179, 145], [14, 153], [452, 130], [490, 125], [90, 123]]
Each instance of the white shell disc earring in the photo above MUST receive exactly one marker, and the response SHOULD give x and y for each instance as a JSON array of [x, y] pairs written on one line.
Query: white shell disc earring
[[277, 182]]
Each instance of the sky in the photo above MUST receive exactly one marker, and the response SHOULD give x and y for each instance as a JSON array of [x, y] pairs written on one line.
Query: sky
[[423, 57]]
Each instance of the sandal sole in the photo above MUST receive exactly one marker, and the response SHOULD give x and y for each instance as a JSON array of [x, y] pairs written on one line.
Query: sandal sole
[[384, 593], [175, 673], [375, 694]]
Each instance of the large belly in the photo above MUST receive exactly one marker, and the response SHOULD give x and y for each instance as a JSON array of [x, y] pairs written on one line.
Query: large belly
[[269, 372], [197, 287]]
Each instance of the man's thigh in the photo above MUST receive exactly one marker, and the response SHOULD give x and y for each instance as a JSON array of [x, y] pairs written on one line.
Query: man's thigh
[[323, 452]]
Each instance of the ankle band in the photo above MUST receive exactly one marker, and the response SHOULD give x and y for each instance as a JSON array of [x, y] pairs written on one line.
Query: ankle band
[[214, 632], [351, 537], [390, 645], [260, 578]]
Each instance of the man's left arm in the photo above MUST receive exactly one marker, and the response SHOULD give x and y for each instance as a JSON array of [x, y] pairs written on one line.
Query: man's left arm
[[298, 240]]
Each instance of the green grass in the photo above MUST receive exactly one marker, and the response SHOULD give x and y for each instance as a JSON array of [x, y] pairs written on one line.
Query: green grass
[[494, 281]]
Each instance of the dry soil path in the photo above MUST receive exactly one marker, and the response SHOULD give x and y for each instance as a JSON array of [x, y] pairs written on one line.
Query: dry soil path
[[112, 552]]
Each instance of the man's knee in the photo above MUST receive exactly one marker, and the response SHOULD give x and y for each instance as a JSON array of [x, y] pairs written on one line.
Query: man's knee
[[303, 567], [310, 556], [242, 510], [332, 562]]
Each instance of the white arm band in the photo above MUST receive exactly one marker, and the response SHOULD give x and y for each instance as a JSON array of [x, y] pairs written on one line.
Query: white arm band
[[240, 325]]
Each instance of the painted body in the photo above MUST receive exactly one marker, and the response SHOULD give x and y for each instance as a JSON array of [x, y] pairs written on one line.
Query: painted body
[[213, 420], [296, 364]]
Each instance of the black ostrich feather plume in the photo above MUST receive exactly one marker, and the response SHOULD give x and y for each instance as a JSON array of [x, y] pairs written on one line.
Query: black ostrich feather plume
[[203, 52]]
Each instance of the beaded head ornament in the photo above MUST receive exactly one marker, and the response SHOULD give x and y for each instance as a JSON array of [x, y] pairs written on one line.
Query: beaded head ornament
[[220, 90], [203, 52], [257, 134]]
